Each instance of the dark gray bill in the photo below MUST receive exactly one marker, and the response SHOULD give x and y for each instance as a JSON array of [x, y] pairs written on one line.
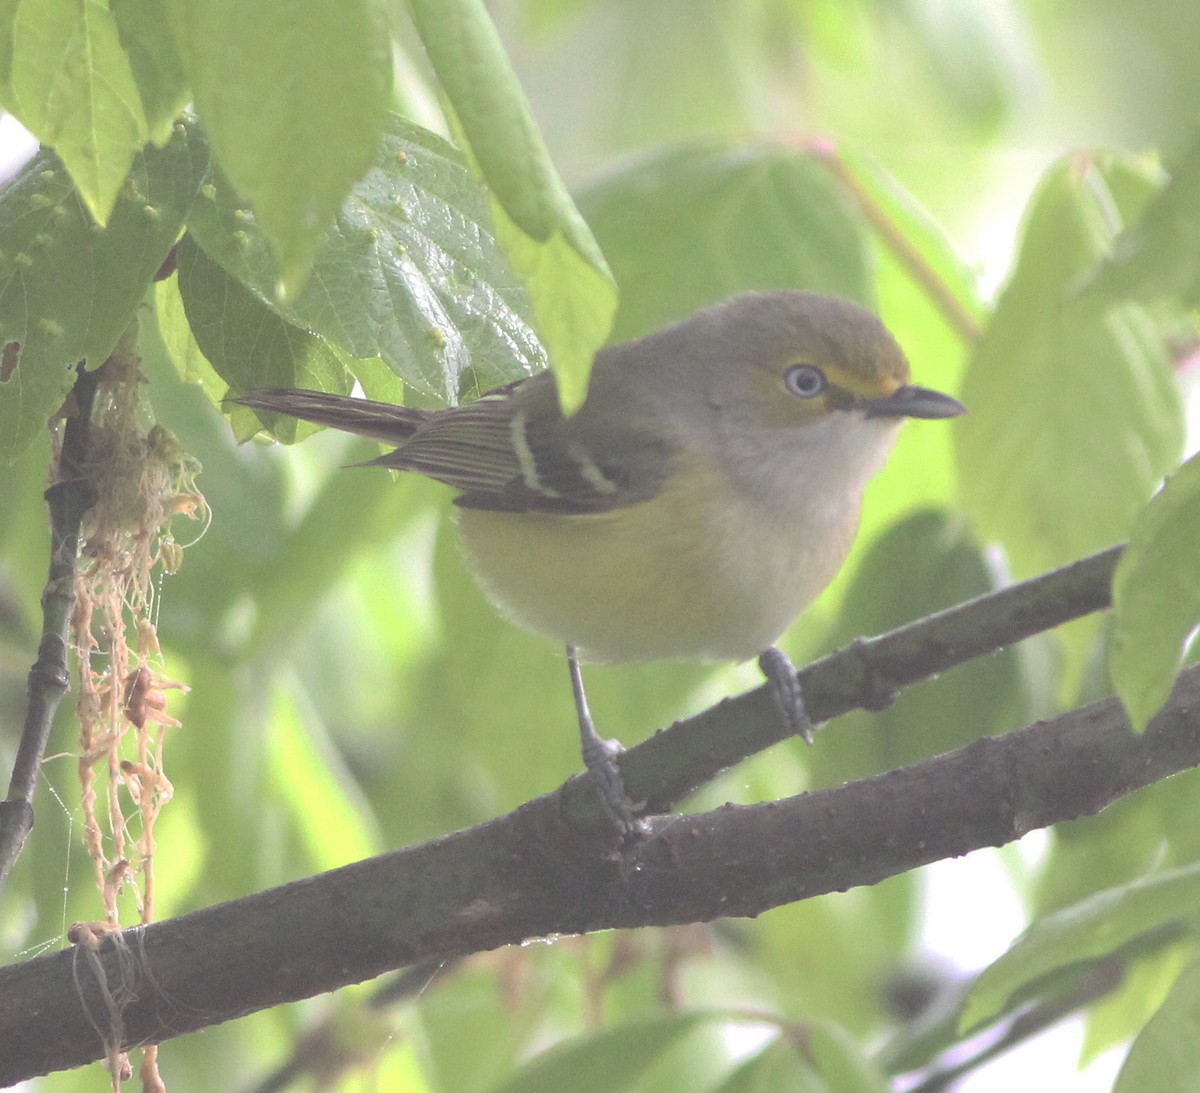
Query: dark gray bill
[[909, 401]]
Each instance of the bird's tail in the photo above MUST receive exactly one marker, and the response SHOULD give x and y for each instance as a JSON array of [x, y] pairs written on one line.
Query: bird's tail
[[378, 420]]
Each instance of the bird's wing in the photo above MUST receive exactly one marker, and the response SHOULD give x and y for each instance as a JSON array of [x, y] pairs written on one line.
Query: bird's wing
[[512, 451]]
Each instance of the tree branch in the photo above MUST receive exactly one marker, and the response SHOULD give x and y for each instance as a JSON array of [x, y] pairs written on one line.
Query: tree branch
[[864, 675], [67, 499], [534, 873]]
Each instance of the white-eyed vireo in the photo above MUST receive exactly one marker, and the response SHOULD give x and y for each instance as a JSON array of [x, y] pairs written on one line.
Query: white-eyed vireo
[[706, 491]]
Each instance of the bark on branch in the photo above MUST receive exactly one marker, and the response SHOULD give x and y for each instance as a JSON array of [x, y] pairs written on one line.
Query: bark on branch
[[547, 869]]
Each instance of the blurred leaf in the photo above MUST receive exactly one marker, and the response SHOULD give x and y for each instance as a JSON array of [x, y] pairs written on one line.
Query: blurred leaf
[[67, 289], [72, 86], [1156, 597], [1075, 414], [777, 1068], [409, 271], [1115, 1019], [926, 562], [1109, 850], [293, 95], [1163, 1057], [157, 69], [312, 785], [573, 302], [840, 1061], [909, 235], [569, 283], [546, 16], [8, 13], [249, 345], [824, 955], [1159, 256], [1091, 929], [498, 1025], [603, 1062], [355, 510], [689, 226], [966, 48]]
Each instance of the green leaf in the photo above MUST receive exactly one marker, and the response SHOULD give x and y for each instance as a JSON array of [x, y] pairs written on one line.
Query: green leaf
[[1156, 596], [293, 95], [571, 298], [922, 564], [8, 12], [605, 1061], [409, 271], [723, 220], [967, 49], [176, 333], [312, 787], [911, 238], [570, 284], [1074, 412], [1159, 256], [248, 344], [1163, 1057], [778, 1066], [68, 289], [1093, 928], [73, 88], [157, 68], [840, 1061], [1120, 1015]]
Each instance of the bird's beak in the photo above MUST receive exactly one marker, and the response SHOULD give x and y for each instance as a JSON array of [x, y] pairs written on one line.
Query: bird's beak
[[909, 401]]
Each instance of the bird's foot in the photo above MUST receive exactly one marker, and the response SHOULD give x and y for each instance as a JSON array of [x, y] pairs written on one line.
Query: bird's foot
[[785, 688]]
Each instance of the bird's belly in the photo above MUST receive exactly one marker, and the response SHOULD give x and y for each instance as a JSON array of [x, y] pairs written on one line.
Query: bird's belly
[[668, 578]]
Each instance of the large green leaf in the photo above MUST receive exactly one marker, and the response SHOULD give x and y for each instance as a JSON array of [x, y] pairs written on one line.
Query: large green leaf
[[923, 563], [409, 271], [1163, 1057], [73, 87], [247, 343], [1159, 256], [293, 94], [608, 1060], [691, 225], [310, 784], [911, 240], [549, 242], [146, 37], [1156, 594], [178, 340], [967, 51], [68, 289], [1075, 414], [1094, 928]]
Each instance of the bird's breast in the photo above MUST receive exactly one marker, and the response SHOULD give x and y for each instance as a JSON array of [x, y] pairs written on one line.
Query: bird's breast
[[709, 569]]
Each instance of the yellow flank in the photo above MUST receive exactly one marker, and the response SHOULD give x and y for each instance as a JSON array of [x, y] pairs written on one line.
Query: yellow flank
[[702, 571]]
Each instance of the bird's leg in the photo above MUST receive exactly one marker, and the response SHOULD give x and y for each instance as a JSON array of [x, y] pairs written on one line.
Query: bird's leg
[[785, 686], [600, 758]]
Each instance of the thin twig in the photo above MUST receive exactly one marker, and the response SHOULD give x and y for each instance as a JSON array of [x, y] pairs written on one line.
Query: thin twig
[[898, 242], [68, 499]]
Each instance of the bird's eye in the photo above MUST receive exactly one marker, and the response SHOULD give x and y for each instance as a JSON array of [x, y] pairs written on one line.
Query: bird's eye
[[804, 381]]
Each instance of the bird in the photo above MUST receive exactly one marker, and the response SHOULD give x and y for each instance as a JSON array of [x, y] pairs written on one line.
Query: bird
[[705, 492]]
